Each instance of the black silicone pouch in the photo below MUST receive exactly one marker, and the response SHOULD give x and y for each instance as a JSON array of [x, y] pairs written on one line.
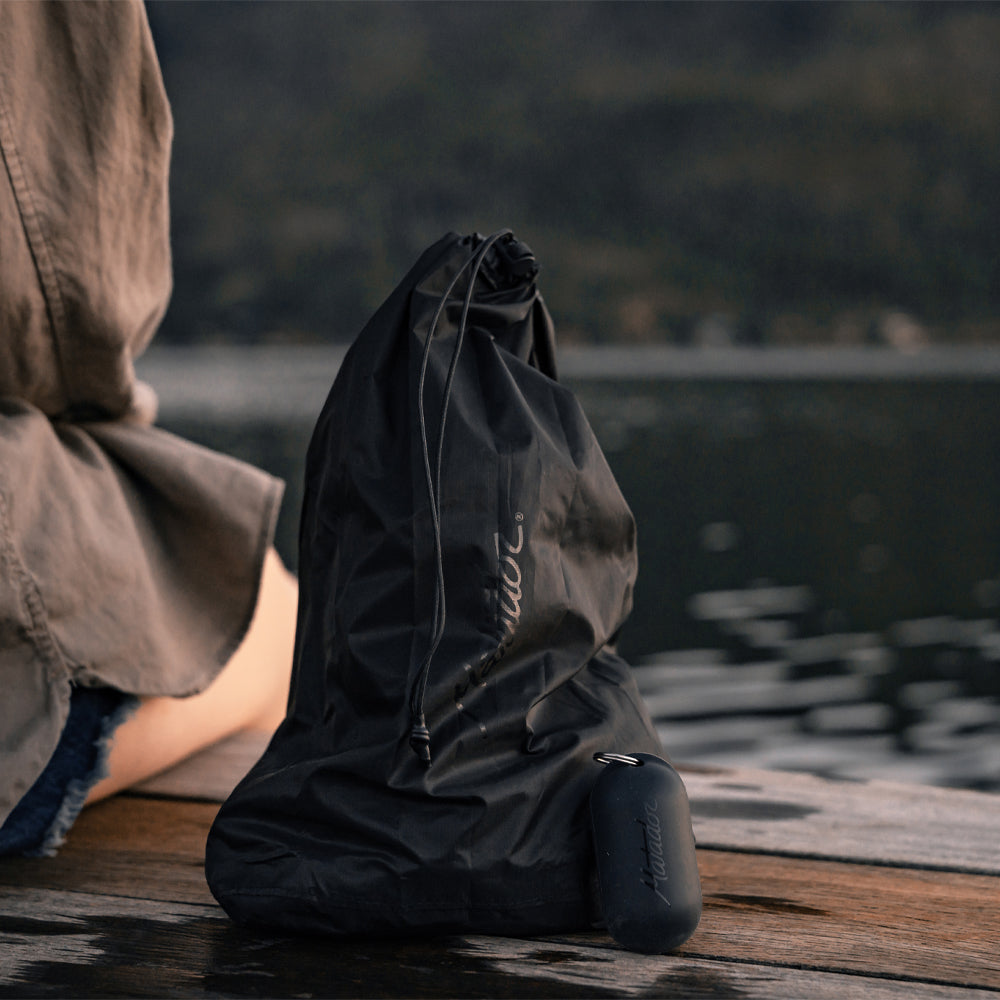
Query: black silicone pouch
[[647, 872]]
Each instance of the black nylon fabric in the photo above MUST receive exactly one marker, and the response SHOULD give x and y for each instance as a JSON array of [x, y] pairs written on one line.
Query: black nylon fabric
[[340, 827]]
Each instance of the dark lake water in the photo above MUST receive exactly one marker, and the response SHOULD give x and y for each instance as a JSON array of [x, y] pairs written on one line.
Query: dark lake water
[[819, 582]]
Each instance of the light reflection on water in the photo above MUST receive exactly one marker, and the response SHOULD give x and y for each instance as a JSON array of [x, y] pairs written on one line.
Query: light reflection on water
[[819, 550], [905, 706]]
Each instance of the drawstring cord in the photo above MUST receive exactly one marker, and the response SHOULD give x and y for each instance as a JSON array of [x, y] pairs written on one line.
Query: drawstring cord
[[420, 736]]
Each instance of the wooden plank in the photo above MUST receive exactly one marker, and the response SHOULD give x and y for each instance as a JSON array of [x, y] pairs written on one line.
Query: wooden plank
[[928, 925], [866, 821], [143, 826], [119, 875], [848, 918], [130, 847], [211, 774], [749, 809], [77, 944], [685, 975]]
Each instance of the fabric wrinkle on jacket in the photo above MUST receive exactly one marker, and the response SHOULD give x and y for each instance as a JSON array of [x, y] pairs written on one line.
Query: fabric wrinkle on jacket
[[128, 556]]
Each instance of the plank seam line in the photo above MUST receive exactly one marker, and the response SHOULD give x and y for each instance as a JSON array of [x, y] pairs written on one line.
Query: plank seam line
[[830, 969], [773, 852], [211, 909]]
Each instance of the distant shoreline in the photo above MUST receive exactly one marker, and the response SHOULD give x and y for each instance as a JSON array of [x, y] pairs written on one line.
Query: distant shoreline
[[290, 382]]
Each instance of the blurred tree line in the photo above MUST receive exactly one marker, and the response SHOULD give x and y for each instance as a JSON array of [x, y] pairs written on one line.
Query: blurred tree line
[[686, 172]]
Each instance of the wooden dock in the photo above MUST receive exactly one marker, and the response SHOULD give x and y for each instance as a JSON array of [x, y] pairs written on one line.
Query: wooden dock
[[812, 888]]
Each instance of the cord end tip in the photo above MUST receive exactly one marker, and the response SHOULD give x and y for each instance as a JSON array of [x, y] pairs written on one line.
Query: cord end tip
[[420, 742]]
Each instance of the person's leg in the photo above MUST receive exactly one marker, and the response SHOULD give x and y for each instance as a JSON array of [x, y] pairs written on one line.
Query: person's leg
[[251, 692]]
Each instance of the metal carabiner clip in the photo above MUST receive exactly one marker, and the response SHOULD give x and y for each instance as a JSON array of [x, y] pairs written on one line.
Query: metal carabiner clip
[[617, 758]]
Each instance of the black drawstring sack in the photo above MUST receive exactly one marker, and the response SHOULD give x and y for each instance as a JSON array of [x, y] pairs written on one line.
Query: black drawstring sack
[[466, 561]]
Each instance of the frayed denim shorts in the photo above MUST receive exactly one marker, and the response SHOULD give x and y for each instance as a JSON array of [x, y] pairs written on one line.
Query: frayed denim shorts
[[40, 821]]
